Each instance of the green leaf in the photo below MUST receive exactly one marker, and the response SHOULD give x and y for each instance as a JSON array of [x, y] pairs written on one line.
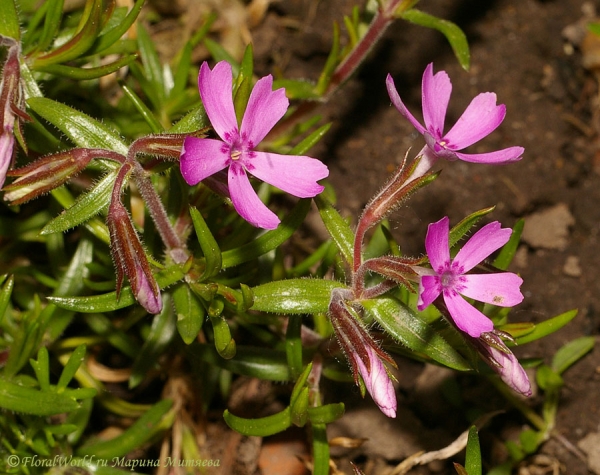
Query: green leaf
[[404, 325], [326, 414], [190, 312], [110, 37], [320, 447], [294, 296], [454, 35], [152, 66], [261, 427], [143, 109], [42, 368], [220, 54], [337, 227], [85, 207], [547, 378], [85, 74], [507, 253], [297, 88], [80, 43], [293, 344], [83, 130], [224, 343], [154, 421], [269, 240], [572, 352], [5, 294], [547, 327], [465, 225], [71, 367], [109, 302], [473, 455], [9, 20], [158, 339], [210, 248], [330, 64], [30, 401], [262, 363], [310, 141], [243, 85], [52, 19]]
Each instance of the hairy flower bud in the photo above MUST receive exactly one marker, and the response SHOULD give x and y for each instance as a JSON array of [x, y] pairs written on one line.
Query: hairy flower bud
[[363, 353], [50, 172], [130, 258]]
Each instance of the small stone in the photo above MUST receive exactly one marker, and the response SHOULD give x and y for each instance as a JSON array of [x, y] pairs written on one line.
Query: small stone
[[548, 229], [590, 444], [572, 268]]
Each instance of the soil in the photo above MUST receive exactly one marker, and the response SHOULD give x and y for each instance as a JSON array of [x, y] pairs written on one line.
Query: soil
[[519, 50]]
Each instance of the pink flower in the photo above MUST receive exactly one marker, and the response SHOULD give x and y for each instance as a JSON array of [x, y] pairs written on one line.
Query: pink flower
[[201, 158], [479, 119], [448, 276]]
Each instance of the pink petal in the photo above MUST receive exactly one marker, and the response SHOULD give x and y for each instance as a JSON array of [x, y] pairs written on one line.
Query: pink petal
[[510, 370], [502, 289], [246, 202], [480, 118], [265, 108], [201, 158], [506, 155], [147, 292], [436, 90], [395, 98], [436, 244], [378, 383], [485, 241], [216, 94], [7, 143], [466, 317], [296, 175], [429, 290]]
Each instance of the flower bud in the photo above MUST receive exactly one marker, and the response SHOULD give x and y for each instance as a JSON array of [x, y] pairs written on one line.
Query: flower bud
[[130, 258], [50, 172]]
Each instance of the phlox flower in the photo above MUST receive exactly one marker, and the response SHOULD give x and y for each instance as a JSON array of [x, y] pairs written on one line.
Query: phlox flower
[[449, 277], [236, 149], [481, 117]]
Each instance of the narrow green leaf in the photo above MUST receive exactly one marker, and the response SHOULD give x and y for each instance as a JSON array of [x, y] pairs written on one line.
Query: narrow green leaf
[[71, 367], [210, 248], [269, 240], [85, 74], [572, 352], [473, 455], [262, 363], [220, 54], [83, 130], [190, 312], [261, 427], [299, 408], [41, 367], [182, 73], [297, 88], [465, 225], [308, 142], [404, 325], [454, 35], [152, 65], [326, 414], [294, 296], [9, 20], [224, 343], [243, 85], [330, 64], [153, 422], [52, 21], [30, 401], [337, 227], [143, 109], [320, 446], [158, 339], [293, 344], [548, 379], [547, 327], [85, 207], [507, 253], [110, 37], [86, 35], [5, 295], [109, 302]]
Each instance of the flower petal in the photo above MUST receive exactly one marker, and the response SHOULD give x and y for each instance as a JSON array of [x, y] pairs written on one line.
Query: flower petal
[[510, 370], [378, 383], [436, 244], [506, 155], [485, 241], [246, 202], [502, 289], [466, 317], [265, 108], [296, 175], [216, 94], [429, 290], [7, 143], [436, 90], [395, 98], [201, 158], [481, 117]]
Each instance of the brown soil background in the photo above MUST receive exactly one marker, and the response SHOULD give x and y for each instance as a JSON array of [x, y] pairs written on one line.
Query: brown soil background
[[519, 51]]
